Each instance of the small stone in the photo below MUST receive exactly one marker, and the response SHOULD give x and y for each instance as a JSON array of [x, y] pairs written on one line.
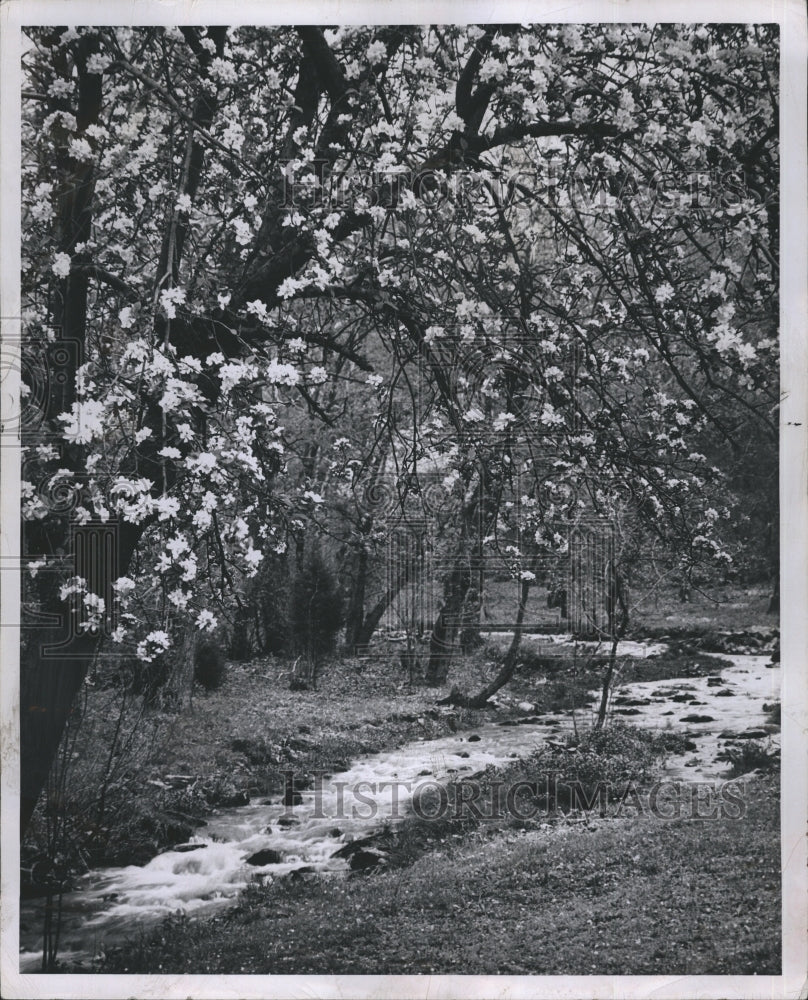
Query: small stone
[[365, 860], [266, 857]]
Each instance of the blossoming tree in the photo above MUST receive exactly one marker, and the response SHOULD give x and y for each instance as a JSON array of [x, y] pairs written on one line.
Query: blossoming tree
[[539, 259]]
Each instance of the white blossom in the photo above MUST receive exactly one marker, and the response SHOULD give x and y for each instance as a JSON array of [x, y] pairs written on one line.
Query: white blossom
[[84, 422], [169, 298], [155, 643], [97, 63], [167, 507], [376, 52], [206, 621], [179, 598], [80, 149], [61, 265], [664, 292]]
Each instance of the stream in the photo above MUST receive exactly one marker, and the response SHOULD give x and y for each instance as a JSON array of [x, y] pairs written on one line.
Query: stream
[[205, 875]]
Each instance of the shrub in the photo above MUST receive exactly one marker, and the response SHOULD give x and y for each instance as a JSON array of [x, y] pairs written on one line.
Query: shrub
[[209, 665], [616, 756], [753, 755], [316, 609], [147, 678]]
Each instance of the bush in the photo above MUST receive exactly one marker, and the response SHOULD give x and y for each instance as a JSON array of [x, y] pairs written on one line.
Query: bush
[[773, 713], [617, 756], [316, 608], [147, 678], [754, 755], [209, 665]]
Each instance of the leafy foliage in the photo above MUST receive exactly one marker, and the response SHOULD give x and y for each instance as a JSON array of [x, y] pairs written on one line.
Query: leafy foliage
[[753, 755], [316, 609], [209, 665]]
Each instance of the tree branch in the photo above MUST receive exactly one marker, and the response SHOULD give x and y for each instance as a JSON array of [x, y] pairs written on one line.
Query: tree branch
[[471, 108], [331, 73], [107, 278]]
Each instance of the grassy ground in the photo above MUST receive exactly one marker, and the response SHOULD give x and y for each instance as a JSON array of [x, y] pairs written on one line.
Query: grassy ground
[[655, 610], [607, 896], [655, 607]]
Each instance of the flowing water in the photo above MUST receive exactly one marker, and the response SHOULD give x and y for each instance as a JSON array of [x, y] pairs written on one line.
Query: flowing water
[[112, 904]]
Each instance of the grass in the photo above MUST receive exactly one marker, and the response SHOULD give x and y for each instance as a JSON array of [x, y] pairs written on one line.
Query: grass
[[650, 896], [657, 610], [655, 607]]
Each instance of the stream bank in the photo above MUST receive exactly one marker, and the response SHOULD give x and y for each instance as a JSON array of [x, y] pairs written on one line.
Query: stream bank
[[271, 839]]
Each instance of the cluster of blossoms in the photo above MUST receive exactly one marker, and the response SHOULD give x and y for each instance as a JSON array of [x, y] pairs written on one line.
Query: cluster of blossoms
[[196, 482]]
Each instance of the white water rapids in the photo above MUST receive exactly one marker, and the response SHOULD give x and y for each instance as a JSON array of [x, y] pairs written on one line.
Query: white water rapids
[[111, 904]]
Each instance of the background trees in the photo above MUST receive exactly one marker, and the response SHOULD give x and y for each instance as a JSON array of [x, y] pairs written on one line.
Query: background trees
[[309, 280]]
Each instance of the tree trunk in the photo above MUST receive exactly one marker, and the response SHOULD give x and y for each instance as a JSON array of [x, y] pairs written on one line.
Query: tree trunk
[[618, 629], [470, 638], [509, 663], [607, 684], [356, 606], [48, 687], [55, 657], [445, 627], [376, 613]]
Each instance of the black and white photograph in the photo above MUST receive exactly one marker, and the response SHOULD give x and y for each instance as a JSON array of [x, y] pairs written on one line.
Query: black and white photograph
[[404, 535]]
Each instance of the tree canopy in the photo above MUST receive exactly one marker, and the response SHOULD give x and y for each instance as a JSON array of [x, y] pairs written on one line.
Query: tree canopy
[[293, 277]]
